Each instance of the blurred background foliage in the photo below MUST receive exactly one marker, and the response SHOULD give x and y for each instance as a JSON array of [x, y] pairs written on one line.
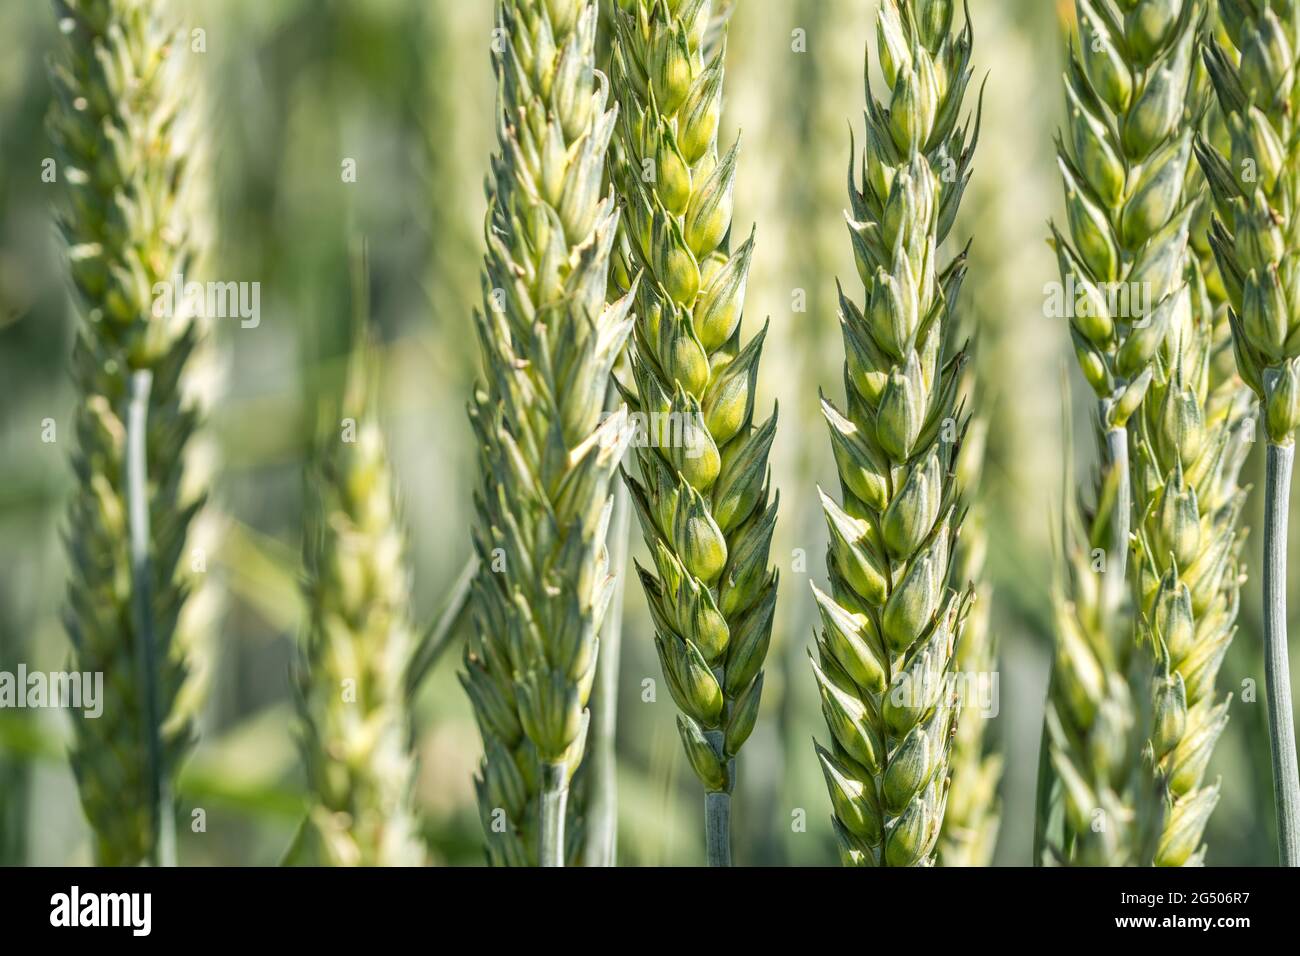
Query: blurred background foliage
[[293, 88]]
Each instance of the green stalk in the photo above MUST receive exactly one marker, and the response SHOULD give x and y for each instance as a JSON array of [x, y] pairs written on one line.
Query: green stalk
[[554, 799], [162, 849], [1277, 674], [1117, 458], [602, 801], [717, 827]]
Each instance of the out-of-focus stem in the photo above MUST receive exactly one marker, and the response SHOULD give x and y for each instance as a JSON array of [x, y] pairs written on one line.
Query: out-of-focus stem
[[1045, 796], [602, 801], [1277, 674], [1117, 458], [163, 846]]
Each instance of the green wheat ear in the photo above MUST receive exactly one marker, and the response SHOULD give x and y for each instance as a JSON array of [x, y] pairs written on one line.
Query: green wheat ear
[[356, 727], [970, 826], [703, 492], [547, 451], [1188, 451], [1100, 717], [891, 622], [1256, 240], [1124, 157], [1134, 96], [125, 166]]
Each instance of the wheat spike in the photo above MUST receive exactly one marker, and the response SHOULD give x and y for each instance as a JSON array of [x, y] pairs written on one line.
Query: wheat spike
[[125, 163], [1124, 159], [1254, 232], [702, 495], [358, 646], [891, 623], [970, 826], [1255, 235], [547, 452], [1189, 446], [1100, 715]]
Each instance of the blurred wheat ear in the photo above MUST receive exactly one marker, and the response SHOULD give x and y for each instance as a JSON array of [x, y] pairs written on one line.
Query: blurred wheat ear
[[128, 219], [1100, 710], [970, 827], [1189, 444], [352, 685]]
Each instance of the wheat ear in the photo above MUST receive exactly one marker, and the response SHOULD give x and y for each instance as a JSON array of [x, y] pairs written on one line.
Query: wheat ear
[[1124, 160], [352, 679], [702, 496], [970, 826], [1099, 717], [891, 623], [1256, 241], [117, 127], [1188, 452], [1186, 455], [547, 452]]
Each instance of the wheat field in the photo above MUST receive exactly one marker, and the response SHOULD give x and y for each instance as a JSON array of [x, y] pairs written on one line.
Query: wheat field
[[298, 695]]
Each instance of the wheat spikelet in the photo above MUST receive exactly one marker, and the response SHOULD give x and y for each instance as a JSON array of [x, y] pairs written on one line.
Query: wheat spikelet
[[702, 496], [547, 453], [124, 160]]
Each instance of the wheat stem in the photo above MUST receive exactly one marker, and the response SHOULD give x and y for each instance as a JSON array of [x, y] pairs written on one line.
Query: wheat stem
[[602, 800], [137, 501], [554, 799], [717, 828], [1117, 458], [1046, 797], [1286, 782]]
